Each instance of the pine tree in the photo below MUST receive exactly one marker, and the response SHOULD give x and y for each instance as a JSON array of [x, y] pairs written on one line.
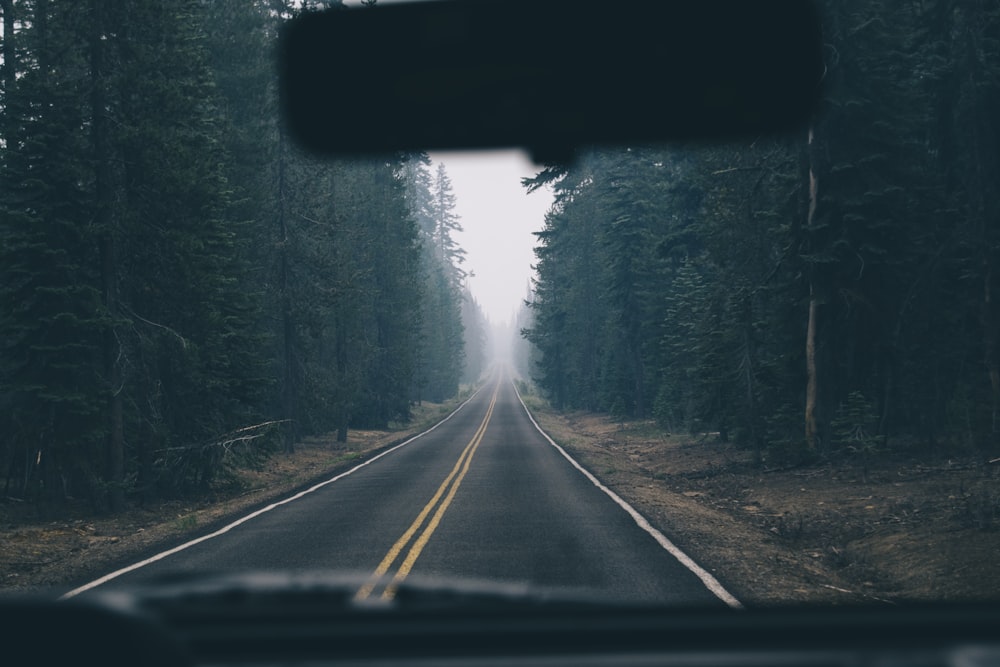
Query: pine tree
[[51, 323], [760, 284], [446, 224], [431, 203]]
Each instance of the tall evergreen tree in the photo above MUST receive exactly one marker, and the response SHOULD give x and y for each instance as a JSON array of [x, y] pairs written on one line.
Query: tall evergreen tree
[[431, 203], [446, 224], [51, 323], [758, 286]]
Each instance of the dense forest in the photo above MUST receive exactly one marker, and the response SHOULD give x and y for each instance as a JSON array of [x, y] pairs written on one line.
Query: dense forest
[[831, 291], [182, 286]]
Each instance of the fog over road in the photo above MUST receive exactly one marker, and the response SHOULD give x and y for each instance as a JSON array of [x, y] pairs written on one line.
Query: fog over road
[[483, 495]]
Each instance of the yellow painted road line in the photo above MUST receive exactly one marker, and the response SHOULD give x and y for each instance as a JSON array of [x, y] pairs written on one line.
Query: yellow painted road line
[[418, 546], [463, 463]]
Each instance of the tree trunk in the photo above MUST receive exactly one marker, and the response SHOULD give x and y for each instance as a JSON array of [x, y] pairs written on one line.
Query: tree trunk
[[287, 322], [640, 393], [340, 353], [288, 388], [9, 71], [113, 352], [812, 374], [991, 343], [812, 382], [983, 174]]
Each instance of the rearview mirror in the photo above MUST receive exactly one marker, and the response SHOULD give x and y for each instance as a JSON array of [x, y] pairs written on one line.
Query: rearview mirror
[[546, 75]]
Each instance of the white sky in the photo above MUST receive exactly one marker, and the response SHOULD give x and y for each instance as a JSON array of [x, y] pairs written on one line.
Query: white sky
[[498, 218]]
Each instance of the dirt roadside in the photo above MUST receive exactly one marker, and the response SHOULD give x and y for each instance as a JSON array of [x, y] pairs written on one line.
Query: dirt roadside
[[902, 530], [45, 555], [926, 529]]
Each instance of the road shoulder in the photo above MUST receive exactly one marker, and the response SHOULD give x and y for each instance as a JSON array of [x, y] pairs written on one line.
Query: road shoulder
[[914, 529], [56, 552]]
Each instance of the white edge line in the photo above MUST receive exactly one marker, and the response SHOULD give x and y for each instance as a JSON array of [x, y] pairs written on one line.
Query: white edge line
[[711, 583], [225, 529]]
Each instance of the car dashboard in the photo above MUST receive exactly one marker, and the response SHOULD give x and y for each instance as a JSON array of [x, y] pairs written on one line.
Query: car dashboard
[[268, 619]]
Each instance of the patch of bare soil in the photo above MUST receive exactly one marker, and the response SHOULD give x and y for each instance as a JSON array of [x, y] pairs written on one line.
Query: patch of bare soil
[[901, 530], [71, 545]]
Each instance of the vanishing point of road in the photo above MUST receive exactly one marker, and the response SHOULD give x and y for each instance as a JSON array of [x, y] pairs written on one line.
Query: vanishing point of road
[[483, 495]]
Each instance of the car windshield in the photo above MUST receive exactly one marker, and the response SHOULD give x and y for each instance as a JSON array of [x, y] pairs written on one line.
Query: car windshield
[[751, 372]]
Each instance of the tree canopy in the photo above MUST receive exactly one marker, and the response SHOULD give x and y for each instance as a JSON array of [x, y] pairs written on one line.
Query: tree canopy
[[182, 286], [790, 290]]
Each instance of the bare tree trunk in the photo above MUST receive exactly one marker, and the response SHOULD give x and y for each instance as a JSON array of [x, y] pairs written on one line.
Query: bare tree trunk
[[812, 383]]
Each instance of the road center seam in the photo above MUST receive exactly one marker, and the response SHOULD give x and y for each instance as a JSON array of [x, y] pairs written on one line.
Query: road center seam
[[463, 463]]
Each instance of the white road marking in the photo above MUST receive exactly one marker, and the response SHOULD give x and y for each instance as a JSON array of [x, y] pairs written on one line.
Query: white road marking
[[711, 583], [225, 529]]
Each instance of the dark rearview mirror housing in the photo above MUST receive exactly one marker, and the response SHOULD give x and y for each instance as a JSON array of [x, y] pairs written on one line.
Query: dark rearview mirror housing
[[546, 75]]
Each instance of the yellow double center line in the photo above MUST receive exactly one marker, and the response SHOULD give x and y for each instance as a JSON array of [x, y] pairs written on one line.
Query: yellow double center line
[[447, 490]]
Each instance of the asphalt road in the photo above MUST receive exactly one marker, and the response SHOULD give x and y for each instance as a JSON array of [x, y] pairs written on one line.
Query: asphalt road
[[484, 495]]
